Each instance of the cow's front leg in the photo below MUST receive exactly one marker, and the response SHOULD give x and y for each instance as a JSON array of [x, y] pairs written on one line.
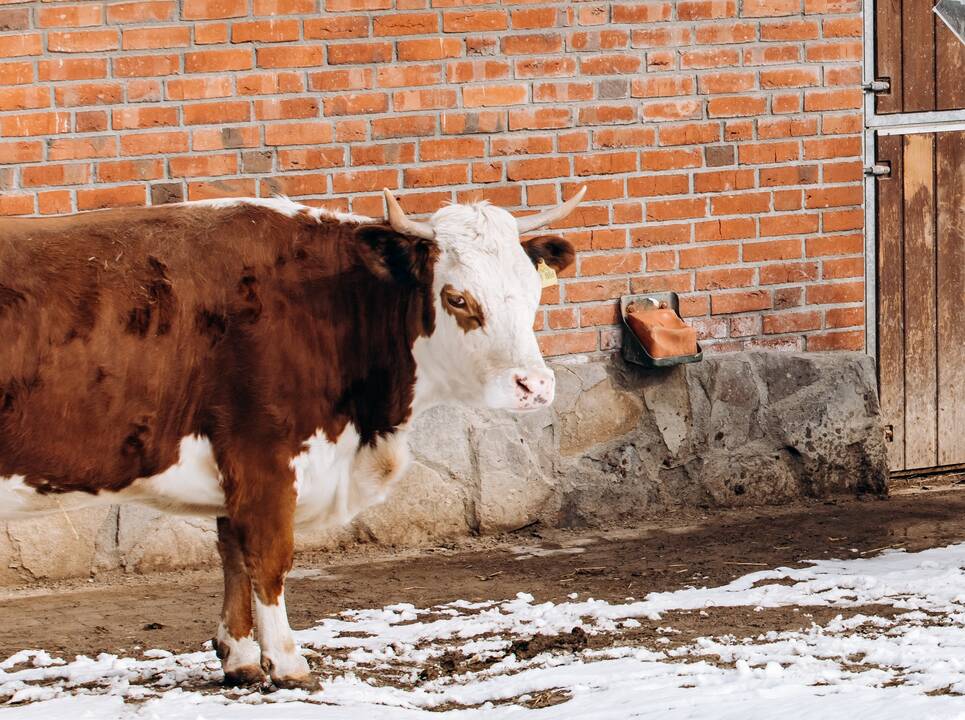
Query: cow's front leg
[[235, 643], [261, 502]]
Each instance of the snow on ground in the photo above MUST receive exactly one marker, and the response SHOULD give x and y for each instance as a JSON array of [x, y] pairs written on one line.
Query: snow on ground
[[896, 650]]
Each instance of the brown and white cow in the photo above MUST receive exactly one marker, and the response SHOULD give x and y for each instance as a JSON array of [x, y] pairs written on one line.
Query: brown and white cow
[[257, 361]]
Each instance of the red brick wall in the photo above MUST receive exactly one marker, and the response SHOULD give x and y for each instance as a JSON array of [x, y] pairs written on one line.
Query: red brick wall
[[720, 139]]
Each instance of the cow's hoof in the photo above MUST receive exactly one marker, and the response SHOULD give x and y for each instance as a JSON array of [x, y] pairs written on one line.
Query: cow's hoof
[[244, 676], [297, 682]]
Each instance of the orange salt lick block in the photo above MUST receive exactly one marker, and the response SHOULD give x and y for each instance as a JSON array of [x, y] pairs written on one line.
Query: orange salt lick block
[[662, 332]]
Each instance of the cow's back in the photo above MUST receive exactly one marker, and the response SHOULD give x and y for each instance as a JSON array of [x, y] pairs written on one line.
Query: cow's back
[[108, 321]]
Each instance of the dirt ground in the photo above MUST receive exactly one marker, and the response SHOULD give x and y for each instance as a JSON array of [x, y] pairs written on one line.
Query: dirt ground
[[179, 611]]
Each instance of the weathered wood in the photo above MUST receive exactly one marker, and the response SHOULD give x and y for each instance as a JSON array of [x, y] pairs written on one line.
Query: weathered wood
[[918, 55], [951, 297], [921, 388], [890, 284], [888, 54], [950, 68]]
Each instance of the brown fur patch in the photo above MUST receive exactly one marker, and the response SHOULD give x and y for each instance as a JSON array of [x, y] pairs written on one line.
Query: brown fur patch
[[464, 307], [556, 252]]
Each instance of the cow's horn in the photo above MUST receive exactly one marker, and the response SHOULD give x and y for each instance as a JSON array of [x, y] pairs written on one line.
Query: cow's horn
[[532, 222], [400, 223]]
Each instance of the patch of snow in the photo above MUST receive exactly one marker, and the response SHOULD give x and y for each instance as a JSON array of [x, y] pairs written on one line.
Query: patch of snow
[[909, 663]]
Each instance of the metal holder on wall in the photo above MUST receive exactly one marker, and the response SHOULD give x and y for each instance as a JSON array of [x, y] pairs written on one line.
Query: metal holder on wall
[[633, 350]]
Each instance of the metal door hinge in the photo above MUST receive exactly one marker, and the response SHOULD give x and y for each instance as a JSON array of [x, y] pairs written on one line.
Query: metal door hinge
[[876, 86], [878, 170]]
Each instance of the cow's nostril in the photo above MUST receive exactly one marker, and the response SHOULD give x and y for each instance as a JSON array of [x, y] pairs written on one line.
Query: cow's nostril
[[522, 385]]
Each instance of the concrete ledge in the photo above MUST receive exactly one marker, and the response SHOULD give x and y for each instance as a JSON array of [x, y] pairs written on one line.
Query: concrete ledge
[[619, 443]]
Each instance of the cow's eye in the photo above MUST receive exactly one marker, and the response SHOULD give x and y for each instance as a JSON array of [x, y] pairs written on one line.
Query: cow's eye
[[457, 301]]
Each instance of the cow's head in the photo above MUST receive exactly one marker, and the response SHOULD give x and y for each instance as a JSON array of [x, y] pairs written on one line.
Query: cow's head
[[486, 291]]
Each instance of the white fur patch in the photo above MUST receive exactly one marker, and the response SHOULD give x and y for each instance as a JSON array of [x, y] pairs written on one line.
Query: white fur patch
[[336, 481], [193, 486], [278, 646], [241, 652], [283, 206]]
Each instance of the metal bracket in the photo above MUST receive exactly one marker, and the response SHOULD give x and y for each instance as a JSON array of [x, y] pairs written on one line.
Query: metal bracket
[[878, 170], [876, 86]]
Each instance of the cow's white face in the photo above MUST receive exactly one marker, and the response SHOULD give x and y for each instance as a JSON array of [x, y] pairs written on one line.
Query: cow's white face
[[486, 289]]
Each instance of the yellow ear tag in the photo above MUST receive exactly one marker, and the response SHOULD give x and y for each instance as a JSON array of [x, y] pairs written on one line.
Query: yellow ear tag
[[547, 275]]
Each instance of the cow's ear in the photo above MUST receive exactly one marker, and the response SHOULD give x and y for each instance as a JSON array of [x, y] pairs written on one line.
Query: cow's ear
[[551, 249], [392, 256]]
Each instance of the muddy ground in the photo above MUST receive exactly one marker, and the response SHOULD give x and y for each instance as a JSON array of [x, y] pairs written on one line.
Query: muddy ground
[[179, 611]]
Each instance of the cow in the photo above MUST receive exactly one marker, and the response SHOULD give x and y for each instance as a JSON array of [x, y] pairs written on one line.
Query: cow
[[256, 361]]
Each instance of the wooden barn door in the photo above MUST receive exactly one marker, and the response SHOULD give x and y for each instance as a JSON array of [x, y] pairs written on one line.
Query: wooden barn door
[[921, 297], [916, 130]]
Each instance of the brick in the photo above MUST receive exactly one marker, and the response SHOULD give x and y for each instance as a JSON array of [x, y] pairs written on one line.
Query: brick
[[395, 76], [610, 64], [298, 56], [451, 148], [835, 293], [843, 99], [790, 77], [24, 98], [493, 95], [837, 220], [29, 124], [141, 11], [540, 119], [544, 43], [336, 28], [464, 21], [208, 189], [797, 224], [744, 203], [16, 204], [833, 196], [20, 45], [706, 9], [834, 51], [669, 159], [299, 133], [726, 82], [286, 108], [434, 175], [70, 16], [21, 152], [42, 175], [538, 168], [662, 86], [723, 180], [14, 19], [654, 185], [709, 255], [743, 301], [154, 143], [844, 317], [16, 73], [155, 38], [769, 8], [211, 34], [216, 112], [356, 103], [282, 82], [788, 322], [720, 34], [735, 106], [790, 30], [621, 162], [690, 134], [82, 41], [567, 343], [404, 126], [313, 159], [557, 66], [429, 49], [117, 171], [365, 180], [152, 66], [78, 148], [787, 272], [659, 210], [847, 340], [650, 236], [724, 279], [532, 18], [204, 165], [832, 148], [771, 152], [661, 37], [834, 245], [789, 175], [632, 137], [405, 24], [213, 9], [283, 30], [223, 138], [54, 202], [143, 117], [120, 196], [611, 264], [518, 145]]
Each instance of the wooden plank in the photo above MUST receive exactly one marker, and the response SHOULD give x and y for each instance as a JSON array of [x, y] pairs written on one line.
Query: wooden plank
[[950, 68], [888, 54], [951, 296], [921, 381], [890, 284], [918, 55]]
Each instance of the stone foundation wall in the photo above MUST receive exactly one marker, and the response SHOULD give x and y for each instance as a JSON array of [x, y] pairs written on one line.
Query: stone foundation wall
[[620, 442]]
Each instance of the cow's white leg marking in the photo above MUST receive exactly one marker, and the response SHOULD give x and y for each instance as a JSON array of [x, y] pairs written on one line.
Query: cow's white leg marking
[[238, 654], [279, 653]]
